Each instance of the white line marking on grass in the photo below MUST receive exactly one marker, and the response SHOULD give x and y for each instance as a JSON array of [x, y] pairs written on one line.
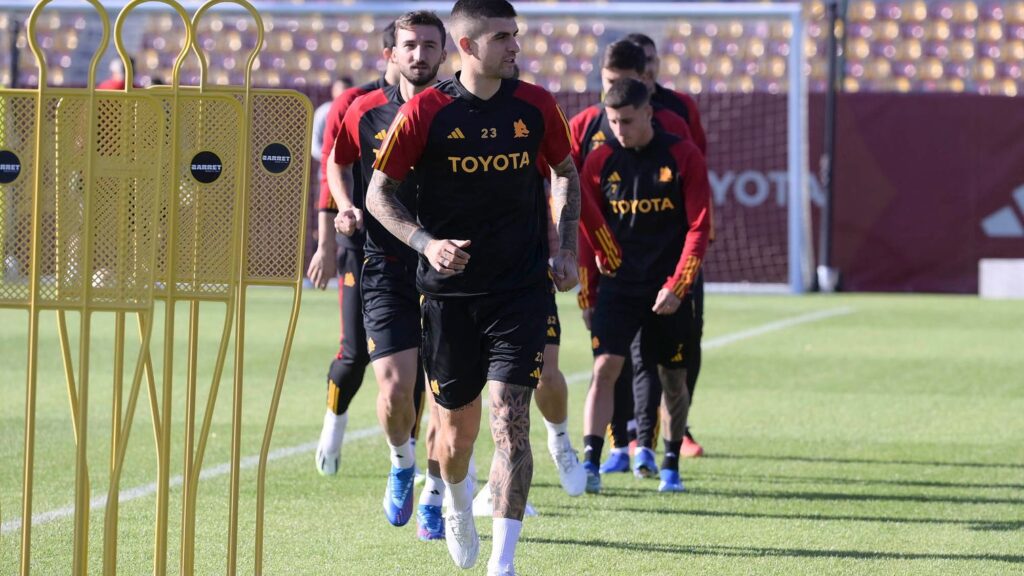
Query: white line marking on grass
[[727, 339], [249, 462]]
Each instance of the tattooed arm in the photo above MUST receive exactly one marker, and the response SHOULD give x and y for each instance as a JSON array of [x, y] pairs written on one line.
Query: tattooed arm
[[565, 193], [512, 466], [446, 256]]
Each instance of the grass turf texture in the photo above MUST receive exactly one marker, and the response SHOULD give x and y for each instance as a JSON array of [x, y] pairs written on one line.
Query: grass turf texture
[[885, 441]]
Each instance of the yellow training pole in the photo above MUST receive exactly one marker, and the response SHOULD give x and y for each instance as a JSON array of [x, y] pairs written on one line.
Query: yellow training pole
[[164, 435], [236, 410], [80, 551]]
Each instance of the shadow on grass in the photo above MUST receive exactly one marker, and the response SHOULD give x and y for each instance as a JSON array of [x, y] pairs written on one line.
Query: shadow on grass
[[792, 479], [850, 497], [980, 525], [831, 460], [757, 552]]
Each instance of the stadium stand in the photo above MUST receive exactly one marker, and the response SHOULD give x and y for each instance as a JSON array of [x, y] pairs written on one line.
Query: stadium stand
[[894, 45]]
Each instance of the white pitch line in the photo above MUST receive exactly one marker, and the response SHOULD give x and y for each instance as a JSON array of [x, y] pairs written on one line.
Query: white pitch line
[[250, 462]]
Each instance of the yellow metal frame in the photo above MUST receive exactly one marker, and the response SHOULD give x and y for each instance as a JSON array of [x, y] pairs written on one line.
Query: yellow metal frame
[[95, 163], [291, 185], [193, 272], [177, 265]]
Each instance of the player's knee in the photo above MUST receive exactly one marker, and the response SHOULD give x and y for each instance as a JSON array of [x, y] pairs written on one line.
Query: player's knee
[[456, 444], [606, 371], [550, 379]]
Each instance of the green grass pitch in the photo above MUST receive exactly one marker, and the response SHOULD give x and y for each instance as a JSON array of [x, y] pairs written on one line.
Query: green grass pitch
[[885, 440]]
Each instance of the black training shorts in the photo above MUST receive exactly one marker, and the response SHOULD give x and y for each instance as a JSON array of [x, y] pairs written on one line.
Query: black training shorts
[[617, 319], [391, 306], [469, 341], [553, 334]]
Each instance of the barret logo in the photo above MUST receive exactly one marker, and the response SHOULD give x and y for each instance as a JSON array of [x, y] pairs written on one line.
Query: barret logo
[[380, 135], [276, 158], [10, 167], [497, 162], [206, 167], [520, 127], [643, 206], [456, 135], [350, 279], [435, 387], [665, 175], [595, 343], [370, 345]]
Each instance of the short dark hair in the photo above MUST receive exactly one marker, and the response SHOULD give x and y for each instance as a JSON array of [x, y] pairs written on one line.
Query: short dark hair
[[624, 55], [421, 18], [388, 37], [627, 92], [478, 9], [641, 40]]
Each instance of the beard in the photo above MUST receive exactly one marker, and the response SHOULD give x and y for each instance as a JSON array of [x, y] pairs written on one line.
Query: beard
[[419, 77]]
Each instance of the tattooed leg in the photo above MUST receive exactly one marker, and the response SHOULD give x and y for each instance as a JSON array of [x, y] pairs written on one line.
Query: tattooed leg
[[675, 403], [512, 467], [457, 433]]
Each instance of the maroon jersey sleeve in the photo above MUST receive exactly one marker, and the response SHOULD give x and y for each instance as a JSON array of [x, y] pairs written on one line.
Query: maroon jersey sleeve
[[555, 146], [696, 128], [696, 196], [672, 123], [407, 136], [577, 130], [335, 115], [346, 145], [592, 223]]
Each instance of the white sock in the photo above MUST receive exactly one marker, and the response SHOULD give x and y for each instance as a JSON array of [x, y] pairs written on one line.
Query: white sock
[[472, 467], [333, 432], [558, 435], [460, 494], [403, 456], [505, 536], [433, 491]]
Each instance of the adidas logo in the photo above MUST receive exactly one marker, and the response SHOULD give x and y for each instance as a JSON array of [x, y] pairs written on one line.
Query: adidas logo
[[599, 137], [435, 493], [1006, 222], [614, 177], [552, 332], [380, 135], [456, 135], [535, 373]]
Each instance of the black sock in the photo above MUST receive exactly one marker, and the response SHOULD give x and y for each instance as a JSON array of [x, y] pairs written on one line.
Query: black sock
[[671, 459], [592, 446]]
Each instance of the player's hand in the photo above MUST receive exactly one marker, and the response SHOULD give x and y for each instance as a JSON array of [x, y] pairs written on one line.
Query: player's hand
[[563, 270], [322, 267], [587, 313], [602, 266], [447, 256], [666, 303], [348, 220]]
